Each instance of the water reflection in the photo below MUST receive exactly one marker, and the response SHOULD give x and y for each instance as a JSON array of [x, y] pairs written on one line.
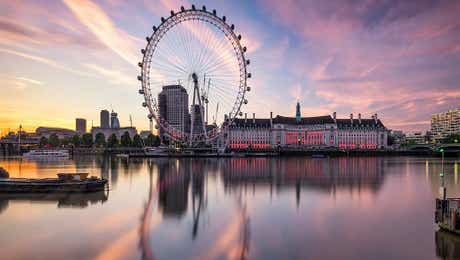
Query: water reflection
[[63, 200], [240, 208], [322, 174]]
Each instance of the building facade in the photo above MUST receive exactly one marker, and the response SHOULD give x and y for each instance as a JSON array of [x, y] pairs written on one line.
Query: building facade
[[117, 131], [308, 132], [60, 132], [114, 122], [80, 126], [173, 108], [105, 119], [445, 124]]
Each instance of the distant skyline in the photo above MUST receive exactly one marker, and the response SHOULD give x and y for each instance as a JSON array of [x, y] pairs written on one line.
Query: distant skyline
[[61, 60]]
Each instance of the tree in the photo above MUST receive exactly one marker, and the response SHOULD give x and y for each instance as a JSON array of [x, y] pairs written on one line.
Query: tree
[[76, 140], [112, 141], [152, 140], [126, 140], [87, 139], [43, 142], [137, 141], [54, 140], [100, 140], [453, 138], [66, 141]]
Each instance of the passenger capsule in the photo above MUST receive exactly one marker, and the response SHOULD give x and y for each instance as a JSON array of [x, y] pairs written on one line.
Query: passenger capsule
[[193, 7], [144, 104], [182, 8], [249, 75], [139, 64], [154, 28], [172, 13], [245, 101], [248, 62], [214, 12], [141, 91], [244, 49], [204, 8], [163, 19], [147, 39], [248, 88], [232, 27], [239, 37], [150, 116], [143, 51], [224, 18], [139, 78]]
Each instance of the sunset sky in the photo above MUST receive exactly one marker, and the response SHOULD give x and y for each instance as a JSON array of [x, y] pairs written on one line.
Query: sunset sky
[[401, 59]]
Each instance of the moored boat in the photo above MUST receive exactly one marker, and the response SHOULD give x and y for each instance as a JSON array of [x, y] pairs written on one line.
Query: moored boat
[[66, 182], [48, 154]]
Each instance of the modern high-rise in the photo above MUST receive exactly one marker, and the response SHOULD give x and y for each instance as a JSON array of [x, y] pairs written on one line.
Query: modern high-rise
[[173, 106], [114, 122], [80, 126], [445, 124], [105, 119]]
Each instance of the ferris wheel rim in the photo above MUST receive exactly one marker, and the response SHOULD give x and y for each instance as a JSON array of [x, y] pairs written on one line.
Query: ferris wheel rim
[[154, 39]]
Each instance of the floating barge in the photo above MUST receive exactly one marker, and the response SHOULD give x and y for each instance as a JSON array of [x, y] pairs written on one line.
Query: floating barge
[[447, 214], [66, 182]]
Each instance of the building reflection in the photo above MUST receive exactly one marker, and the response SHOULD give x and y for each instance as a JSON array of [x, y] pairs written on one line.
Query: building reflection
[[63, 200], [322, 174], [447, 245], [173, 185]]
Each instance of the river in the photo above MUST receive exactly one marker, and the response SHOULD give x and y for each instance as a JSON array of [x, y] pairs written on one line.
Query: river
[[233, 208]]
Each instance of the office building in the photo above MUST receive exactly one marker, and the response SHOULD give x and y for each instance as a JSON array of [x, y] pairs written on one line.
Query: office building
[[80, 126], [445, 124], [105, 119], [114, 122], [173, 108]]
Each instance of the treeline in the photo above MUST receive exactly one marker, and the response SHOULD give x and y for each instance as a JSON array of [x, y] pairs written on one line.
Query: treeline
[[100, 141]]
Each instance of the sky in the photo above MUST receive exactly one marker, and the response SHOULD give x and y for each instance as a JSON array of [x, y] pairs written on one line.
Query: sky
[[60, 60]]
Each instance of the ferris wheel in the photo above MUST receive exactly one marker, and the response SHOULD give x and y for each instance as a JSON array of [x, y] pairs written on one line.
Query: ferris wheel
[[194, 75]]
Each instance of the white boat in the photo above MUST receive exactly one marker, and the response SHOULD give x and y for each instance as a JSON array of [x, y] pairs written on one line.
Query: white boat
[[48, 154]]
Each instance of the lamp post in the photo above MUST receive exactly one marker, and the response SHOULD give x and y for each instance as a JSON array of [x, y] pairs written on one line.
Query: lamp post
[[443, 189]]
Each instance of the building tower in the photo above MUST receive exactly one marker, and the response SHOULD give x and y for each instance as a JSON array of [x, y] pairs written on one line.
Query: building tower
[[173, 108], [198, 126], [105, 119], [298, 117], [114, 123], [80, 126]]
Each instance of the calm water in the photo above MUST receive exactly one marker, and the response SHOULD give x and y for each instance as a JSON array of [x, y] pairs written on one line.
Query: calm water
[[254, 208]]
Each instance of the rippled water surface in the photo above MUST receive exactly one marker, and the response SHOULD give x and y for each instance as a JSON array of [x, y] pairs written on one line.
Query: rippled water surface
[[240, 208]]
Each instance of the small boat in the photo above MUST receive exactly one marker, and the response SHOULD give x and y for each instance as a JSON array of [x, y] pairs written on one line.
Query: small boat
[[66, 182], [47, 154]]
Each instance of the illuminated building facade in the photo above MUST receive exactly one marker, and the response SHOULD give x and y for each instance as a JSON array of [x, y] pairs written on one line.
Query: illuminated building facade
[[445, 124], [309, 132]]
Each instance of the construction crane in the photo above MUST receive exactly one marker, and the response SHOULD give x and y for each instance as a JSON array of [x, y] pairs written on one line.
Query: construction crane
[[215, 115]]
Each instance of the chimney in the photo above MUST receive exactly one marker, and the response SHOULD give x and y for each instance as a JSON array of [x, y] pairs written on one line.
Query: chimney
[[245, 117], [359, 118], [351, 118], [254, 118], [375, 118], [271, 119], [334, 116]]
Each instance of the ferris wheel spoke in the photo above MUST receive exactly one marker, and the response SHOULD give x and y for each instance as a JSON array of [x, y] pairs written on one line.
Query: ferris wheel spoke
[[196, 42]]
